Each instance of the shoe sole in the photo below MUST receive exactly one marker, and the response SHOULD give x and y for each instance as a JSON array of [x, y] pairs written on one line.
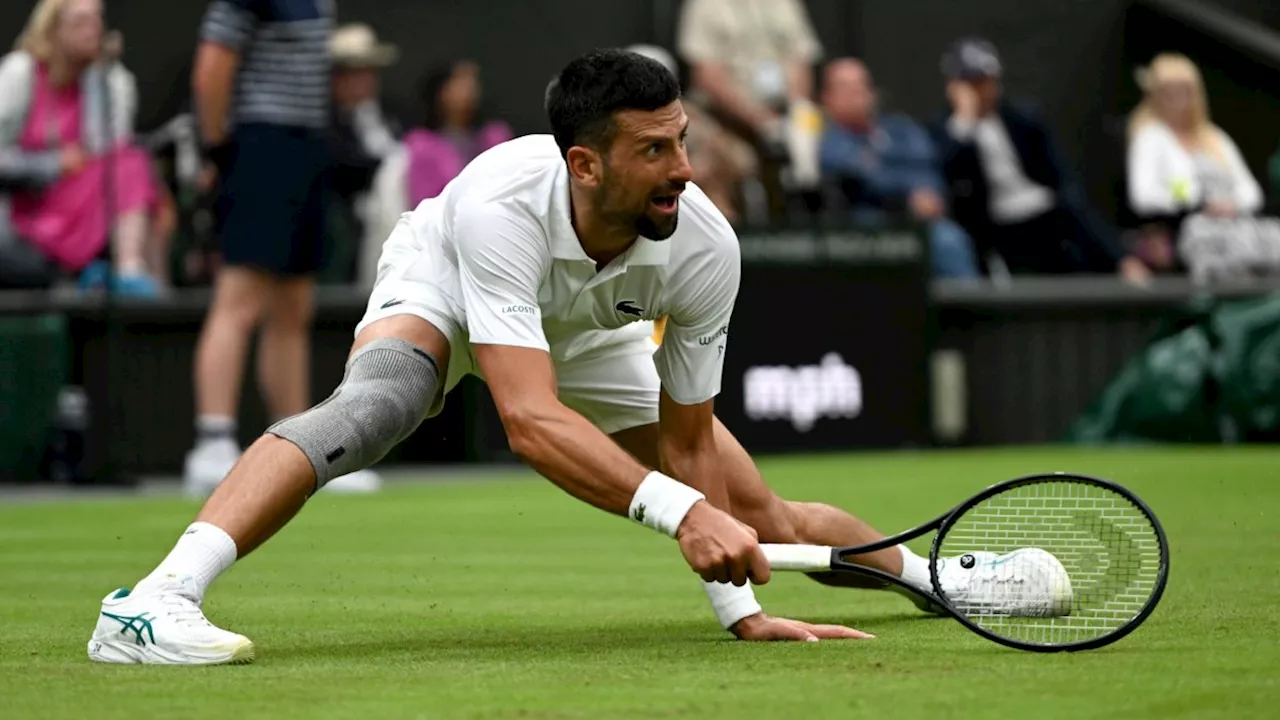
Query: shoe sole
[[242, 655]]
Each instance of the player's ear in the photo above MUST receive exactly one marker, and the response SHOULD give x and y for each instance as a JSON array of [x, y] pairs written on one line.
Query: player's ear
[[585, 165]]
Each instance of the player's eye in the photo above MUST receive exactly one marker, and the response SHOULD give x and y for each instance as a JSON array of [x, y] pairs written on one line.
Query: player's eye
[[655, 148]]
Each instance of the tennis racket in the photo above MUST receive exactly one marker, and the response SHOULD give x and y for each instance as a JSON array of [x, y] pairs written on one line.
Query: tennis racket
[[1046, 563]]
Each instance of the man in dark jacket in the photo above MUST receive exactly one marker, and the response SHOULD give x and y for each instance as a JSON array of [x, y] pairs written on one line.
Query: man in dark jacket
[[1009, 187]]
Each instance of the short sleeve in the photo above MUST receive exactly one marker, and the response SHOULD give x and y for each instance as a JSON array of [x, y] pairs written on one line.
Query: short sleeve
[[690, 361], [500, 268], [230, 23]]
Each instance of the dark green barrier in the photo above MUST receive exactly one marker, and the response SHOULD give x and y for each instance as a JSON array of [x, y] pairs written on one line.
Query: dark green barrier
[[1211, 376], [35, 354]]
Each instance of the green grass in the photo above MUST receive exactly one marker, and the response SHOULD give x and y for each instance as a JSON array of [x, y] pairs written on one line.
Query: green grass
[[508, 599]]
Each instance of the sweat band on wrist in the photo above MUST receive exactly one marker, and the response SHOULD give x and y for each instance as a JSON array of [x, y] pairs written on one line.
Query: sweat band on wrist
[[661, 503], [731, 603]]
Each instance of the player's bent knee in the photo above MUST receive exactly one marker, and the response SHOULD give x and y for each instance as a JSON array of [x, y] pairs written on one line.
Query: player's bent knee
[[387, 390]]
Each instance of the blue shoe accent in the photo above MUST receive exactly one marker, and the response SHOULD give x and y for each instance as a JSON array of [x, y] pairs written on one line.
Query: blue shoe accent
[[143, 286], [95, 275], [98, 274]]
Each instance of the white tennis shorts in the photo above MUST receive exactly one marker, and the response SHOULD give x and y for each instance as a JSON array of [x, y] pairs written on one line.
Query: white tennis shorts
[[615, 386]]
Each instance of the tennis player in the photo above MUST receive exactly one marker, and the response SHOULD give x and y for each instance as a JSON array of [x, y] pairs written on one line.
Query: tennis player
[[536, 269]]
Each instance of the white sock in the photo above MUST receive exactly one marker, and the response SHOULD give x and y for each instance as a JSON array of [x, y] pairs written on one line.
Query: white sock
[[131, 267], [915, 570], [215, 428], [203, 552]]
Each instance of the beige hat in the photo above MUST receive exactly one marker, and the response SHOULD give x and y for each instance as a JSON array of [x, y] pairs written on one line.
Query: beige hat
[[357, 46]]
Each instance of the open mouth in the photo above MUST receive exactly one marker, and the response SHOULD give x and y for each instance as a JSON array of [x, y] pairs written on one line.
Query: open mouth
[[665, 203]]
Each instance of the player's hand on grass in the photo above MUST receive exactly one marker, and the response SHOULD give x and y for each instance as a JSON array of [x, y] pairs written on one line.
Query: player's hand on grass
[[761, 627], [721, 549]]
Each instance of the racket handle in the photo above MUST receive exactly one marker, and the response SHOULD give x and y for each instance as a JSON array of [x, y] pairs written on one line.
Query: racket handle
[[800, 558]]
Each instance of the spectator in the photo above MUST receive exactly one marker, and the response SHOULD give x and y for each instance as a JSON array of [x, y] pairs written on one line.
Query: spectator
[[886, 165], [361, 138], [262, 89], [752, 64], [1009, 187], [1179, 161], [56, 146], [454, 131], [1181, 164], [719, 161]]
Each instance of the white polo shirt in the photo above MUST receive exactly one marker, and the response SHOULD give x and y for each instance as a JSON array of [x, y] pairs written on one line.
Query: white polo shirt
[[499, 248]]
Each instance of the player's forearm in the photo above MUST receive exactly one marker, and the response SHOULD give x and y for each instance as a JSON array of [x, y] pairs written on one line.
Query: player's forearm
[[213, 86], [697, 465], [584, 462]]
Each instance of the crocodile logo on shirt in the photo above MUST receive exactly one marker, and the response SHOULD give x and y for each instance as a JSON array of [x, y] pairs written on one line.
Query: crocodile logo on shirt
[[630, 308]]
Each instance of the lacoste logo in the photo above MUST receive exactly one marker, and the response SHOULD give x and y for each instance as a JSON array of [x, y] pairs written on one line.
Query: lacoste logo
[[630, 308], [639, 513], [391, 303]]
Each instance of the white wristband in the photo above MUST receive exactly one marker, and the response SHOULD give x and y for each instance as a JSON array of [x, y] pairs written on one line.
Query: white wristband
[[661, 503], [731, 603]]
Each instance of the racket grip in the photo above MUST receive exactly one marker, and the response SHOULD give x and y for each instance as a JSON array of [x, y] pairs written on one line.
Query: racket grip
[[799, 558]]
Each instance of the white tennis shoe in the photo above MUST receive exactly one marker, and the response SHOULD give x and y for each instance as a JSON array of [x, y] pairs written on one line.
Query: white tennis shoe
[[1024, 583], [162, 626]]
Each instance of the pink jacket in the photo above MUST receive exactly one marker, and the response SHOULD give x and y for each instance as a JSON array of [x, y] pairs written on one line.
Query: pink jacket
[[434, 160]]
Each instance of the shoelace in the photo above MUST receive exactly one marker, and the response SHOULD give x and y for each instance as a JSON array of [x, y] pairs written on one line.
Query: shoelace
[[183, 610], [985, 577]]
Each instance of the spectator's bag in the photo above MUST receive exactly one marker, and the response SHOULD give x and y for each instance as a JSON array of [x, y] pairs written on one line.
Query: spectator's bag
[[1224, 248]]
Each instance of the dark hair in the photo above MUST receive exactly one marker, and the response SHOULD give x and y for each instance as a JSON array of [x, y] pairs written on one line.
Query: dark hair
[[429, 89], [582, 99]]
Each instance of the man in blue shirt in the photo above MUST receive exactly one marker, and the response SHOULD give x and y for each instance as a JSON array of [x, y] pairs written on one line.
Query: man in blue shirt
[[886, 166]]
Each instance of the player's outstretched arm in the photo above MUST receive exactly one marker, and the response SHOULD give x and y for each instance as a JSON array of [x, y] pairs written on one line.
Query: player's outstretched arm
[[579, 458]]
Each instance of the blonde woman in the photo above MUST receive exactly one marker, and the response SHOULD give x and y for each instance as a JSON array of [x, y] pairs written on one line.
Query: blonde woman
[[54, 140], [1179, 161]]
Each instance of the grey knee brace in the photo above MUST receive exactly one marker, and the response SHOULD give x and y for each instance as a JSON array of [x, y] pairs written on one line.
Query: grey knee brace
[[387, 390]]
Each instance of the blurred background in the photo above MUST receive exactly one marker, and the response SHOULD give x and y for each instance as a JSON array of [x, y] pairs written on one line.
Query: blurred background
[[963, 222]]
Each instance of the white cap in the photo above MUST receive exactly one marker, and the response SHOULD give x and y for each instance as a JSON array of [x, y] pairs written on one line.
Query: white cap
[[357, 46]]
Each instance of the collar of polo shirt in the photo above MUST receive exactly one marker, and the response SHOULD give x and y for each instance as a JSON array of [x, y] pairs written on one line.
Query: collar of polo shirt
[[565, 244]]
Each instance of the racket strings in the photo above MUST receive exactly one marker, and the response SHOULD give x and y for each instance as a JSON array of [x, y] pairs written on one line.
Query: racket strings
[[1053, 562]]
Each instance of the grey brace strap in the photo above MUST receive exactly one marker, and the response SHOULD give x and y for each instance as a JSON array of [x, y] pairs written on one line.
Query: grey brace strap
[[387, 390]]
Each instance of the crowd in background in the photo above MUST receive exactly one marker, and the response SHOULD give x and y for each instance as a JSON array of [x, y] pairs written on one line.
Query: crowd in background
[[289, 171], [778, 132]]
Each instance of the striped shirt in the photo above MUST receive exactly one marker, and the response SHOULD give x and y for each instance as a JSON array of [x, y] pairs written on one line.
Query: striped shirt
[[284, 58]]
